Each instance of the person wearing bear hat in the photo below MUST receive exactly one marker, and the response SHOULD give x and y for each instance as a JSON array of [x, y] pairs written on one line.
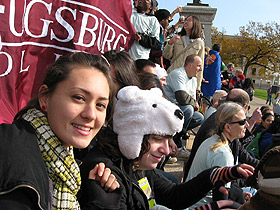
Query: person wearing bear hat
[[267, 178], [143, 122]]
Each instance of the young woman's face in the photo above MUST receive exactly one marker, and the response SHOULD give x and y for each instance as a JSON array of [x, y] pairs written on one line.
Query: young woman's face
[[236, 130], [188, 24], [267, 122], [76, 109], [158, 147]]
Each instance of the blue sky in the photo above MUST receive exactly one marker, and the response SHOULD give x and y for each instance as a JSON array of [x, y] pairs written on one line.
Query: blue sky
[[231, 14]]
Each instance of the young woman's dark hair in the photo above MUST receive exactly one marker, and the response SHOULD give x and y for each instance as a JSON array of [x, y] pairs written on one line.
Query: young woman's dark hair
[[123, 68], [196, 31], [266, 115], [274, 128], [60, 70], [149, 81], [248, 84]]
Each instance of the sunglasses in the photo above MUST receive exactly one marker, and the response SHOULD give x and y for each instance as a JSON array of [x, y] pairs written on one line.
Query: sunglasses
[[240, 122]]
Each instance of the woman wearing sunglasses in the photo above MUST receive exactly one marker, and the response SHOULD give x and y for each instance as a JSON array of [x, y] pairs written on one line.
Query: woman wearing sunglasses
[[231, 124]]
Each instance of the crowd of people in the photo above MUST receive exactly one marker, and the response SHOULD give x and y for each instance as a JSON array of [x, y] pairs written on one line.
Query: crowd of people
[[102, 128]]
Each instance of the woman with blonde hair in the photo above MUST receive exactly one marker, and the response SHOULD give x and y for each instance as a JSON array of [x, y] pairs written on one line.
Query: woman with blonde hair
[[189, 42], [231, 124]]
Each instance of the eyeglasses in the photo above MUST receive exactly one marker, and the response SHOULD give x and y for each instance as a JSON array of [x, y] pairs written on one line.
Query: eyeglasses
[[240, 122]]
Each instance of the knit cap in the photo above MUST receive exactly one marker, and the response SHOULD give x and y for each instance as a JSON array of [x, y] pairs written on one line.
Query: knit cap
[[161, 72], [241, 76], [269, 172], [141, 112]]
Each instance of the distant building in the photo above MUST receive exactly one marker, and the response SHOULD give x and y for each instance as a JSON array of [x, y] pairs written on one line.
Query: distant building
[[262, 79]]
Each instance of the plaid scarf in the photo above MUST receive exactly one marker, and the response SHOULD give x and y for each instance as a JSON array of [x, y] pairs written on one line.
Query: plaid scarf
[[60, 163]]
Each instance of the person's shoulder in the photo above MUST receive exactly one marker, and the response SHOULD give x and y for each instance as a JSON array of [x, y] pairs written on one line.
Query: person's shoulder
[[18, 140], [178, 71], [18, 130], [198, 40]]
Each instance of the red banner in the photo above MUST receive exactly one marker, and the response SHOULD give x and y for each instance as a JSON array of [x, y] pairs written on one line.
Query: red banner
[[34, 33]]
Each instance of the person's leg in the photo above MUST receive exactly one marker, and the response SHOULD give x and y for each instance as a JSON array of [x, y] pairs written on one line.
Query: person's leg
[[270, 100], [197, 119], [205, 103], [267, 99], [188, 111]]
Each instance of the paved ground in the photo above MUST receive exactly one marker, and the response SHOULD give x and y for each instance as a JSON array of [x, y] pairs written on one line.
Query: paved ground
[[177, 168]]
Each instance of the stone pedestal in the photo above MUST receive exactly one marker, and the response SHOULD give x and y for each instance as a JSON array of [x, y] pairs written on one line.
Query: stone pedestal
[[206, 15]]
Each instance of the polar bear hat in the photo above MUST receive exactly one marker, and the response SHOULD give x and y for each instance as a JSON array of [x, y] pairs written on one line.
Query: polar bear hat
[[141, 112]]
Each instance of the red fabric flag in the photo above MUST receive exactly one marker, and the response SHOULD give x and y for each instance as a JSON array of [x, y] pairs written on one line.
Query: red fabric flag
[[34, 33]]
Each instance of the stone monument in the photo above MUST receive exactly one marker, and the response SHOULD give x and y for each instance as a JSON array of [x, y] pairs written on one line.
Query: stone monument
[[206, 15]]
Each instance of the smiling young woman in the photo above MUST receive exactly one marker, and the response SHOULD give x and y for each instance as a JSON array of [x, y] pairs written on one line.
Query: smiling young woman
[[38, 168]]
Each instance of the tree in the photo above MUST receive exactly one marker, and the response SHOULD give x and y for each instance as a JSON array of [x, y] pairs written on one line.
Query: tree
[[257, 45]]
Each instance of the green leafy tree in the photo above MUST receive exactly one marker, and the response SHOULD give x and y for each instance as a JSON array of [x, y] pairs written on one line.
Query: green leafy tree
[[257, 45]]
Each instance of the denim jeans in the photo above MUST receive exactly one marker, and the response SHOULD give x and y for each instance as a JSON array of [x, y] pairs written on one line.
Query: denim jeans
[[269, 99], [192, 118]]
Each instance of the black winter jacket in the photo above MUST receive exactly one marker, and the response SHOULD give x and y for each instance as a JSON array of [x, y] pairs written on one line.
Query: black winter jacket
[[129, 195], [24, 182]]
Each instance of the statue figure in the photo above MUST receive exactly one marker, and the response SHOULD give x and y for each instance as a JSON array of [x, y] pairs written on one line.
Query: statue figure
[[197, 3]]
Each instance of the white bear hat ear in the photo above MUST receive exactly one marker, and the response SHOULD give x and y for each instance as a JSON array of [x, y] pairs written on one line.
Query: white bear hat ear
[[132, 94], [142, 112]]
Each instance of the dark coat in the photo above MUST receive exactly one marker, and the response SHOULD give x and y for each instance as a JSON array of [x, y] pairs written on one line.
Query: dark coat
[[129, 195], [275, 141], [24, 182], [261, 201]]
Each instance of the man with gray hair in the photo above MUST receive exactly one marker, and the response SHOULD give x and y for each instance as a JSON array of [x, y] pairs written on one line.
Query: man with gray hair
[[181, 90], [216, 97]]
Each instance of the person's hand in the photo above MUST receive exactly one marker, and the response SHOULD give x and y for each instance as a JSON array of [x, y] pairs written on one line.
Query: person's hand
[[178, 9], [104, 176], [223, 203], [257, 114], [174, 39], [245, 170], [204, 81], [137, 37], [196, 107], [247, 196], [222, 175], [173, 148], [225, 82]]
